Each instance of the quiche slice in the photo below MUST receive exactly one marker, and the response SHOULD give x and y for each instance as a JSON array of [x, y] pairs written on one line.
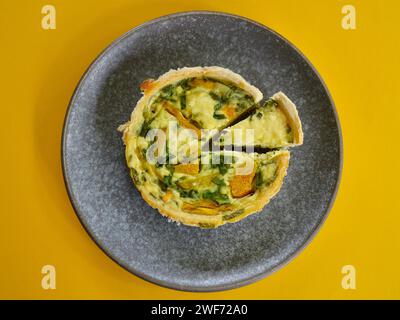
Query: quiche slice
[[275, 124], [225, 187]]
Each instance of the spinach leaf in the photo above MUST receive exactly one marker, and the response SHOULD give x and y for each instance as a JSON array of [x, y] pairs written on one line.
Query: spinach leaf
[[217, 106], [145, 128], [259, 178], [194, 194], [216, 196], [168, 180], [182, 99], [185, 84], [168, 93], [215, 96], [223, 164], [219, 182], [165, 182], [219, 116], [222, 167], [270, 103]]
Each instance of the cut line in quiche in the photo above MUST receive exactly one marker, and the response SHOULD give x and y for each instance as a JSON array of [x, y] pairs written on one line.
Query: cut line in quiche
[[168, 151]]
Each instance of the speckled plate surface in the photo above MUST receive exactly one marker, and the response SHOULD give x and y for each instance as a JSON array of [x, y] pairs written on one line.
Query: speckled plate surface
[[110, 207]]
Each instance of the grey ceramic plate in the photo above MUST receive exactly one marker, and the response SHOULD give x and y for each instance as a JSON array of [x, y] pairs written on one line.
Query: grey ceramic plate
[[135, 235]]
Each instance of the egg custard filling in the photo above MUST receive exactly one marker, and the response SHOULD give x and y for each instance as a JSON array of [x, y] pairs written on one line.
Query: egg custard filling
[[203, 102], [178, 171]]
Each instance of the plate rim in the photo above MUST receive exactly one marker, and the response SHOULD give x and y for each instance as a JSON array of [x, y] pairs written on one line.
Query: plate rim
[[169, 284]]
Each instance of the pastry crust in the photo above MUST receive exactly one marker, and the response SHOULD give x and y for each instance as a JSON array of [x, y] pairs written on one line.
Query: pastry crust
[[290, 110], [151, 87]]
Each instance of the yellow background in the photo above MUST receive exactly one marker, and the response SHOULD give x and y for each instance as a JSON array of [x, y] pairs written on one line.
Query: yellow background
[[40, 69]]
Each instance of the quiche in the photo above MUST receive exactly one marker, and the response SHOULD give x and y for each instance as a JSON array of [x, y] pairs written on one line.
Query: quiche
[[173, 158], [275, 124]]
